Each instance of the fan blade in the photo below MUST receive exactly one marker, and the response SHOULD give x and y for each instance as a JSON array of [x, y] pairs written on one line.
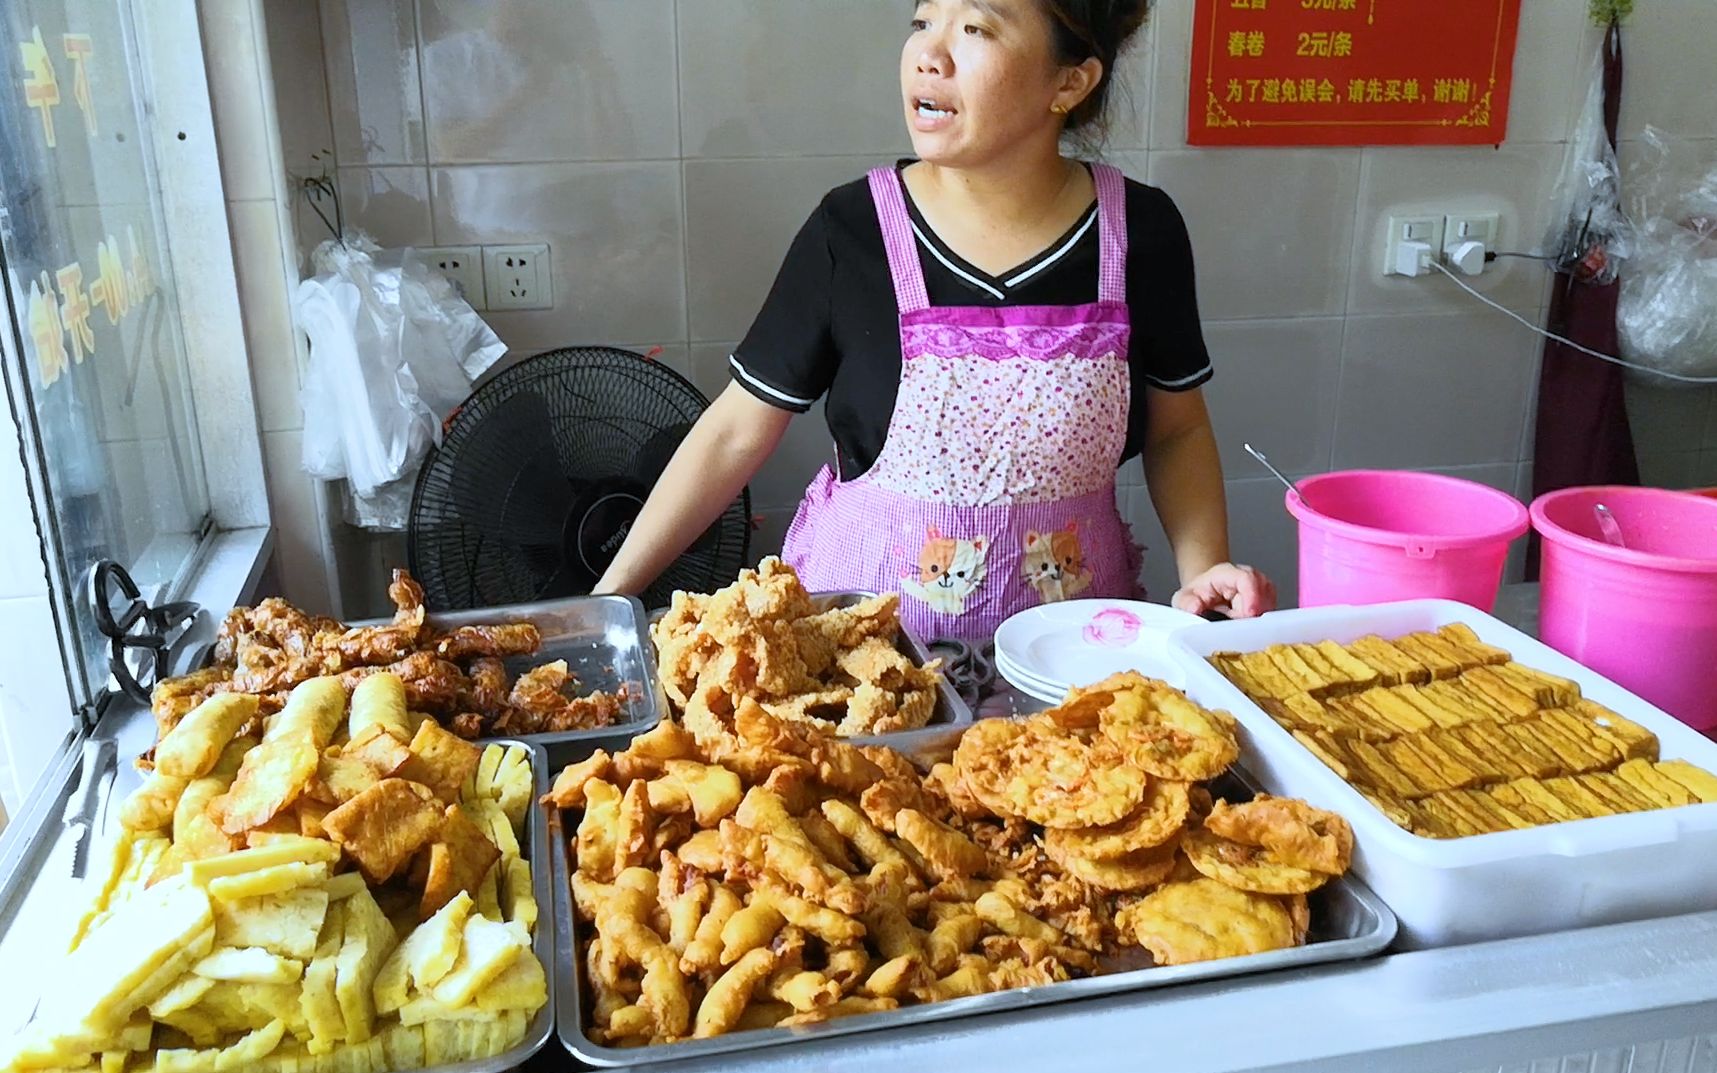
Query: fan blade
[[507, 479]]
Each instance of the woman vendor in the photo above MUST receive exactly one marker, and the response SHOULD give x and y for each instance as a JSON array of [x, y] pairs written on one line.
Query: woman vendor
[[994, 329]]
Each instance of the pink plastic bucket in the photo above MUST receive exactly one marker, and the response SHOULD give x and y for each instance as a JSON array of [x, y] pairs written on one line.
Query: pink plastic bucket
[[1373, 536], [1644, 616]]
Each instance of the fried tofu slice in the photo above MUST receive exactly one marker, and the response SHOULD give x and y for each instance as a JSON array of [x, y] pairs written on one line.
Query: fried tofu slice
[[1664, 791], [385, 825], [442, 761], [1697, 781], [459, 858]]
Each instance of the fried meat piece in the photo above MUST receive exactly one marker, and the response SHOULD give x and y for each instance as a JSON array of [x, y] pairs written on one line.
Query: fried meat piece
[[489, 686], [431, 684], [511, 639], [587, 713], [405, 592], [538, 690], [468, 725]]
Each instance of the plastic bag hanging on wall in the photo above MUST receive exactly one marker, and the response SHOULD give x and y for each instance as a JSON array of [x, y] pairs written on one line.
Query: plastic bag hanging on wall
[[1590, 235], [1667, 315], [393, 350]]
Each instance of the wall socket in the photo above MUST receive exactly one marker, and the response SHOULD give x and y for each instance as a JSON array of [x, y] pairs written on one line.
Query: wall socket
[[1427, 229], [517, 277], [463, 267]]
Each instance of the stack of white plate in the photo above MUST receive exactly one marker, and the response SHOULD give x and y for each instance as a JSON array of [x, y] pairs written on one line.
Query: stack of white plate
[[1048, 650]]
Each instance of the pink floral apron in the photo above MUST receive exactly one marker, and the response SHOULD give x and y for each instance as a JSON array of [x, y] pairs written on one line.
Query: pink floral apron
[[995, 488]]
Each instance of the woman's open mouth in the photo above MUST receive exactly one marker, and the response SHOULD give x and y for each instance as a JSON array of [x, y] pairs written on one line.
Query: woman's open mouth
[[930, 114]]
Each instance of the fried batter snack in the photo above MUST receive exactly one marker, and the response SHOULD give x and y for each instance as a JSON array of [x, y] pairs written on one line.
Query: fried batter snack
[[1168, 736], [1250, 868], [1159, 817], [1298, 834], [1137, 870], [1202, 919], [795, 877], [1056, 780], [763, 639]]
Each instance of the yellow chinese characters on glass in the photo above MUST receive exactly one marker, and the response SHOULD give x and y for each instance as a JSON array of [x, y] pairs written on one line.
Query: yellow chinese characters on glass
[[79, 48], [41, 85], [74, 311], [47, 332], [54, 314], [111, 291]]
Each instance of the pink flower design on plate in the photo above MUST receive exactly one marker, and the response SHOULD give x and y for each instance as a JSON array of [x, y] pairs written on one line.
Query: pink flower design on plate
[[1113, 627]]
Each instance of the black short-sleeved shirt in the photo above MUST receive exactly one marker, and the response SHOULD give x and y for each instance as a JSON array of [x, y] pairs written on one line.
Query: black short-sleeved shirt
[[830, 325]]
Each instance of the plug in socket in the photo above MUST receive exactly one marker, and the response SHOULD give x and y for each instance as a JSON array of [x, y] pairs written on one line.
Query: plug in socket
[[1427, 229]]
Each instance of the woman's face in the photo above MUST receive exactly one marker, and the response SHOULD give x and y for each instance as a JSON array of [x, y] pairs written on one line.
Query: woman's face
[[978, 78]]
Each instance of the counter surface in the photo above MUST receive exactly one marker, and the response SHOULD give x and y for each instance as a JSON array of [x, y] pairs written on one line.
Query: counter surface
[[1639, 996]]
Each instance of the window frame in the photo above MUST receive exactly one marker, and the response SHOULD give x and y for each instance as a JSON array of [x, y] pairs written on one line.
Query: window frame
[[238, 539]]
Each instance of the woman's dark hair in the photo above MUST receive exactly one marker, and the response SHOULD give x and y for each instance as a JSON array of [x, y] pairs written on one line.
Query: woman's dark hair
[[1094, 28]]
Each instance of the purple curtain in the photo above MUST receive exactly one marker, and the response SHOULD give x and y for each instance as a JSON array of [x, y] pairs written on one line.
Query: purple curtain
[[1583, 435]]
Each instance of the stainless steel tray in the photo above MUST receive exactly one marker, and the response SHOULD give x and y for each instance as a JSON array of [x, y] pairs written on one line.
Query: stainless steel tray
[[950, 709], [1348, 922], [604, 640], [38, 924]]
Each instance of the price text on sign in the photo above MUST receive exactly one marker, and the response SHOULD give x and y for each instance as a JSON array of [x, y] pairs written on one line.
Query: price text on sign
[[1351, 72]]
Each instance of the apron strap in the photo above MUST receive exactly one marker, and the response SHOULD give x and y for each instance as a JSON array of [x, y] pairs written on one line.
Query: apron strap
[[903, 264], [1112, 233]]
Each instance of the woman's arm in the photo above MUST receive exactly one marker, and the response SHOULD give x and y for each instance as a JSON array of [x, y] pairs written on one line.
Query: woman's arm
[[1184, 474], [720, 455]]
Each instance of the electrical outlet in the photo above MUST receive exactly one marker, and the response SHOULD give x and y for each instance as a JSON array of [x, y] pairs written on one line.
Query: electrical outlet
[[463, 267], [517, 277], [1470, 227], [1427, 229]]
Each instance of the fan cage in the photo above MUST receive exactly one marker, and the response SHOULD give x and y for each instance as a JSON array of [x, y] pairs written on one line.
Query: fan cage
[[596, 417]]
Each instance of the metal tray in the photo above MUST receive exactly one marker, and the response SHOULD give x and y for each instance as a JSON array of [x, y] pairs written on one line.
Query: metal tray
[[52, 898], [543, 943], [604, 642], [950, 709], [1348, 922]]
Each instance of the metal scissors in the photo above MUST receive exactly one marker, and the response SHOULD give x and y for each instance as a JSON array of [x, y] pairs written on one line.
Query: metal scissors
[[970, 670]]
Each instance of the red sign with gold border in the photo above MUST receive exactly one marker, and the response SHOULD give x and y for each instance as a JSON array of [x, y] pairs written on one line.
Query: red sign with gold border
[[1351, 72]]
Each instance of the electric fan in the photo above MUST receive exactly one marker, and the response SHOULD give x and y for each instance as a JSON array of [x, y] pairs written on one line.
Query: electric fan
[[541, 474]]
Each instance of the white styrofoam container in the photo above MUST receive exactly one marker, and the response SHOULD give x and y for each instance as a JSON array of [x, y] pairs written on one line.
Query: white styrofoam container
[[1452, 891]]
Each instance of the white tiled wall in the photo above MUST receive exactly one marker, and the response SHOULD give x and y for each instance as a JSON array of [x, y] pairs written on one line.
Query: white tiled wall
[[668, 150], [268, 86]]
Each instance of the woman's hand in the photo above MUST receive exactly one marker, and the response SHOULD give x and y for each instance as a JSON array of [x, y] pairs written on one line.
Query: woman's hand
[[1241, 591]]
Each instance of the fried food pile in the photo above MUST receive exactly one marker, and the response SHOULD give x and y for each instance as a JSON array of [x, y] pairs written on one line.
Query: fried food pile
[[1450, 737], [757, 872], [337, 894], [460, 677], [764, 639]]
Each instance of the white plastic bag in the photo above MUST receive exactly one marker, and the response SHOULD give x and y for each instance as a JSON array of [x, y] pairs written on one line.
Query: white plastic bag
[[1589, 235], [1666, 317], [393, 349]]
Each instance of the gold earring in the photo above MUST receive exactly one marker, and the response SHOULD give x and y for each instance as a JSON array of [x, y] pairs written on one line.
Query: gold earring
[[1058, 109]]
